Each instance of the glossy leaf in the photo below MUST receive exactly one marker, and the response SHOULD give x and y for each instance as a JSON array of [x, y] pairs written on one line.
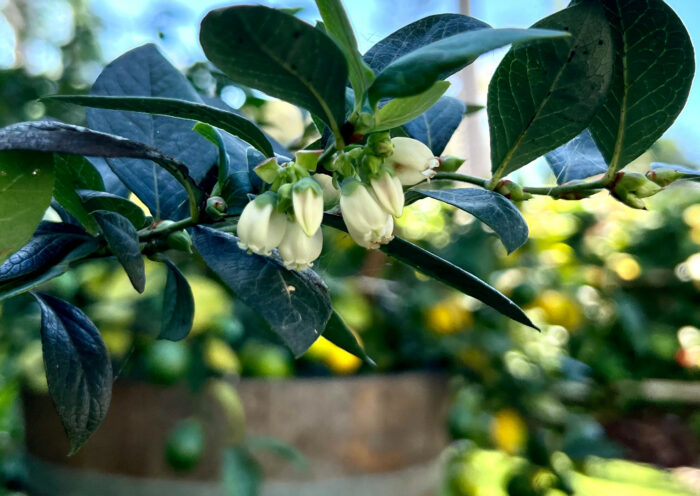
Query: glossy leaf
[[78, 369], [446, 272], [578, 159], [99, 200], [338, 333], [544, 95], [178, 305], [493, 209], [182, 109], [74, 172], [144, 72], [653, 71], [279, 54], [295, 304], [417, 34], [123, 241], [26, 185], [436, 126], [419, 70], [337, 26], [53, 244], [399, 111]]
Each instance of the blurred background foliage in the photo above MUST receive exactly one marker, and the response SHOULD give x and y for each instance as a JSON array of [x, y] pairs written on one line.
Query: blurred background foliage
[[614, 373]]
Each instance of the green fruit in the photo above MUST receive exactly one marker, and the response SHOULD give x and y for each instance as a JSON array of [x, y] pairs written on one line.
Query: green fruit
[[266, 360], [167, 362], [185, 445]]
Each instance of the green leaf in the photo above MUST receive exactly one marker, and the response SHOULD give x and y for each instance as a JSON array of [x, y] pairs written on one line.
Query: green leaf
[[182, 109], [26, 184], [493, 209], [338, 26], [445, 272], [545, 94], [279, 448], [123, 241], [436, 126], [653, 70], [295, 304], [399, 111], [215, 139], [74, 172], [419, 70], [277, 53], [178, 305], [78, 369], [47, 255], [577, 159], [338, 333], [242, 475], [99, 200]]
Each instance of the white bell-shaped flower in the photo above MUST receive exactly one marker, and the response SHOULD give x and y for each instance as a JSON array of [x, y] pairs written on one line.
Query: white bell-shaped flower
[[307, 200], [298, 251], [389, 191], [361, 211], [374, 239], [260, 227], [331, 194], [412, 161]]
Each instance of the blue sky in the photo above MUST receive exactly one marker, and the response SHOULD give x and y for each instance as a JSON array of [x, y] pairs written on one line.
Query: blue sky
[[173, 24]]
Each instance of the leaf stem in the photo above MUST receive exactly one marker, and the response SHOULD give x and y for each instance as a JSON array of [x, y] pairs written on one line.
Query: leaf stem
[[553, 191], [149, 234]]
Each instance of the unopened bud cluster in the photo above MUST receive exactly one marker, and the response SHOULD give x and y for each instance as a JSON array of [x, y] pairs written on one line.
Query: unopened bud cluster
[[367, 183], [631, 187]]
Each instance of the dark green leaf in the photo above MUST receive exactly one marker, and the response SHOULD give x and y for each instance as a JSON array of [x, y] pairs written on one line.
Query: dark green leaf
[[277, 53], [99, 200], [445, 272], [493, 209], [144, 72], [26, 184], [54, 244], [544, 95], [123, 241], [653, 70], [182, 109], [178, 305], [436, 126], [78, 369], [402, 110], [337, 25], [224, 165], [417, 34], [295, 304], [420, 69], [578, 159], [74, 172], [338, 333], [242, 475]]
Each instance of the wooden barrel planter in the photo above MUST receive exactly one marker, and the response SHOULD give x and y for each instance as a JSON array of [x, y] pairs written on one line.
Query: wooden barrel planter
[[362, 435]]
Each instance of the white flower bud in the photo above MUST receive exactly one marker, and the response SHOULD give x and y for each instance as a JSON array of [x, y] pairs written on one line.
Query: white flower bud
[[361, 211], [261, 227], [373, 239], [412, 161], [389, 192], [307, 200], [298, 251], [331, 195]]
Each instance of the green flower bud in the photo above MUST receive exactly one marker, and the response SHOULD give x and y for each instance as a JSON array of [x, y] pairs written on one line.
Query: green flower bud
[[216, 207], [179, 240], [634, 183], [371, 163], [512, 191], [450, 163], [663, 176], [380, 144], [307, 200], [365, 122]]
